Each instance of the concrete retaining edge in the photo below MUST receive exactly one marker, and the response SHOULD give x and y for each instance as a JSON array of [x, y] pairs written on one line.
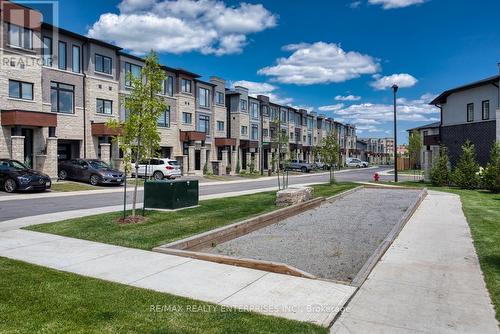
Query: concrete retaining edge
[[191, 247]]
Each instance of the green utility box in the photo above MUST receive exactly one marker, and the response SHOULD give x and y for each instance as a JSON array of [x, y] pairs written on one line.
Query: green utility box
[[170, 195]]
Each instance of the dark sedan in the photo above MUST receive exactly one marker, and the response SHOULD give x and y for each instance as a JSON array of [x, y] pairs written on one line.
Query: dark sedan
[[92, 171], [15, 176]]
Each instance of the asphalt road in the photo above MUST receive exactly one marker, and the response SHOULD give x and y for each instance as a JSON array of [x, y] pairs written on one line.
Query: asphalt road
[[36, 206]]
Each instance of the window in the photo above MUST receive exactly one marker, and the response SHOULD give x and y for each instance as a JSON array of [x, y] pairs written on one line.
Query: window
[[204, 124], [187, 118], [20, 90], [203, 97], [219, 97], [220, 126], [243, 105], [20, 36], [244, 130], [164, 118], [273, 114], [168, 86], [283, 116], [255, 132], [104, 106], [265, 132], [131, 71], [186, 86], [265, 110], [62, 98], [254, 108], [103, 64], [62, 56], [47, 51], [76, 59], [486, 110], [470, 112]]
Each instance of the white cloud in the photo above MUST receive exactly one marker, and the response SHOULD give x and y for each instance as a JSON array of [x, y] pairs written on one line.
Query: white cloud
[[355, 4], [333, 107], [391, 4], [403, 80], [369, 117], [263, 88], [320, 63], [347, 98], [178, 26]]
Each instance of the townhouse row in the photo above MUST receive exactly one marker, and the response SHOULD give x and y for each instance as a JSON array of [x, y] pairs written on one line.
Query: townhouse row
[[58, 89], [376, 150]]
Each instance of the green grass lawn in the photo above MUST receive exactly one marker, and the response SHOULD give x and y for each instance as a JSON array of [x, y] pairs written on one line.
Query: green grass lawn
[[34, 299], [482, 210], [165, 227], [67, 186]]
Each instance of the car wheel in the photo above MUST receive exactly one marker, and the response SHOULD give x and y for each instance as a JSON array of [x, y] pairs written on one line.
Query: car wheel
[[158, 176], [94, 179], [10, 186], [63, 175], [303, 169]]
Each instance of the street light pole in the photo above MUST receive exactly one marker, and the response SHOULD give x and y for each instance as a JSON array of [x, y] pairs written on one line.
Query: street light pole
[[395, 90]]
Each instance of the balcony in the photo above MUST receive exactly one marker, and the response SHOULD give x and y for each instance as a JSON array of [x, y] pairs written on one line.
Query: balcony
[[431, 140], [28, 118]]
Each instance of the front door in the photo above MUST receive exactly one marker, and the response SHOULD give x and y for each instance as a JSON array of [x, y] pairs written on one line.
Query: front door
[[197, 160], [266, 160], [28, 147]]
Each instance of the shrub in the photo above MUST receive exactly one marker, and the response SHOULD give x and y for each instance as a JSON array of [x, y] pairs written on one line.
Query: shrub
[[491, 174], [440, 171], [252, 168], [466, 174], [238, 167]]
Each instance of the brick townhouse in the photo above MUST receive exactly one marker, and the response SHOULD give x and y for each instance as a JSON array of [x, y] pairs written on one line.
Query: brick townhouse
[[58, 89]]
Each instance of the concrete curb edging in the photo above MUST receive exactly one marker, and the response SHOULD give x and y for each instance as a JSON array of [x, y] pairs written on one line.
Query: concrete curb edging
[[191, 247], [225, 233]]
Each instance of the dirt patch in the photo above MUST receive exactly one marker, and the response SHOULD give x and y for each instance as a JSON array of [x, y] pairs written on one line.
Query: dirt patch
[[332, 241], [132, 220]]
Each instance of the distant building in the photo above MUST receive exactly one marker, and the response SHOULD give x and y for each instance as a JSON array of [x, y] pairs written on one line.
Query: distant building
[[402, 150], [470, 112]]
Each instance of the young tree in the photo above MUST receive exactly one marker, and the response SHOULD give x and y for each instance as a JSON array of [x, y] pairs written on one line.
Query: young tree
[[280, 141], [466, 174], [491, 176], [330, 150], [440, 171], [414, 145], [139, 136]]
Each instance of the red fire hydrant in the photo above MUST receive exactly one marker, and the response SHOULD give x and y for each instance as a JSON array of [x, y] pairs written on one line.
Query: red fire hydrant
[[376, 177]]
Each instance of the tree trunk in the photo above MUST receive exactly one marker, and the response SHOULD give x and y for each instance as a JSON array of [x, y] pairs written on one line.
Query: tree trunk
[[137, 156]]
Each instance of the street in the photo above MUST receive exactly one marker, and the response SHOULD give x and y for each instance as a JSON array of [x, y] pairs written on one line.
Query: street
[[18, 208]]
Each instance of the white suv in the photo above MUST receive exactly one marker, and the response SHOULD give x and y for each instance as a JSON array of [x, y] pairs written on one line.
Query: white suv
[[353, 162], [160, 169]]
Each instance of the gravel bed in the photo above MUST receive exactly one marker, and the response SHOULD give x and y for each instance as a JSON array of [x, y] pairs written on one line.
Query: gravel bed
[[332, 241]]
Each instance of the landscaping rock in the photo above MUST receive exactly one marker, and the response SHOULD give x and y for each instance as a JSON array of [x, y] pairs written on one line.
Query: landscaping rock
[[293, 196]]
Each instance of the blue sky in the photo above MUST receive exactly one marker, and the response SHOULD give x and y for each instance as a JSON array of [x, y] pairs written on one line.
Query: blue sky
[[308, 53]]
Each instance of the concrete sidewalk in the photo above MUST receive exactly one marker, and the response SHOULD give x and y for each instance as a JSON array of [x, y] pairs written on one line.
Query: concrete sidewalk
[[263, 292], [429, 281]]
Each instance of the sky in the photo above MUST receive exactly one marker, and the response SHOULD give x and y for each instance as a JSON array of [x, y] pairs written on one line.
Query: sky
[[338, 58]]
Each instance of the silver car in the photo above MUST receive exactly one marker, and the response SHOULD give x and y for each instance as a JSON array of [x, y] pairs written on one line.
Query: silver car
[[355, 162]]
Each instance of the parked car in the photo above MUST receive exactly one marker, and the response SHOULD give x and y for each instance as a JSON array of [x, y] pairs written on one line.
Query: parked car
[[16, 176], [93, 171], [301, 165], [355, 162], [321, 165], [160, 169]]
